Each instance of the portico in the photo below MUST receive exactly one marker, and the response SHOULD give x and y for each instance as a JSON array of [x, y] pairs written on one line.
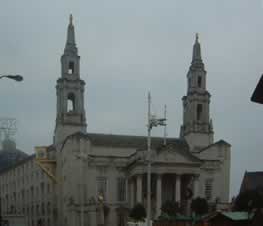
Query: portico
[[165, 187], [172, 175]]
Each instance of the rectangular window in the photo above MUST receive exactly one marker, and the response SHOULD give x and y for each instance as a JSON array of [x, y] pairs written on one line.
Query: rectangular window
[[121, 189], [102, 186], [208, 188]]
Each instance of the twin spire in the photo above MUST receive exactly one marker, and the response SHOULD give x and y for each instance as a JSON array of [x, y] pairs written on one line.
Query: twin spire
[[70, 43]]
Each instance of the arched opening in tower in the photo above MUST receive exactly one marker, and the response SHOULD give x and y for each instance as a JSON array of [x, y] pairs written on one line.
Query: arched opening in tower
[[71, 67], [71, 103], [199, 111]]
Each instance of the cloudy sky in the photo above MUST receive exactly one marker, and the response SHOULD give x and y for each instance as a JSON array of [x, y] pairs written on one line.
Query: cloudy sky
[[126, 49]]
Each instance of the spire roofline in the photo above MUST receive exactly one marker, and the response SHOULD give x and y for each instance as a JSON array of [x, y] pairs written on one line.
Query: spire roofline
[[197, 58], [70, 43]]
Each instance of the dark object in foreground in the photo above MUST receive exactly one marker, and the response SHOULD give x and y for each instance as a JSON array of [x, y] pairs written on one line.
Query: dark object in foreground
[[257, 95], [138, 212], [199, 206]]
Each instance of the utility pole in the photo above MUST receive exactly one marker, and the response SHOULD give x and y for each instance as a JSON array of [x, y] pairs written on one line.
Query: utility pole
[[153, 121], [149, 162]]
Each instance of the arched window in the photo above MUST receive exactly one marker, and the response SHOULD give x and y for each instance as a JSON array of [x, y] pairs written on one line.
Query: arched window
[[199, 111], [71, 67], [199, 81], [71, 102]]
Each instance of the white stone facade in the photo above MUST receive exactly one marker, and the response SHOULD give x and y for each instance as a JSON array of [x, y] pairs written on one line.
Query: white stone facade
[[26, 190], [88, 165]]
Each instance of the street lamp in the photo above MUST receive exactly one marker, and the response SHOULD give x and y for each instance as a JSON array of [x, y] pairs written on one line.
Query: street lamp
[[17, 78], [257, 95], [82, 157]]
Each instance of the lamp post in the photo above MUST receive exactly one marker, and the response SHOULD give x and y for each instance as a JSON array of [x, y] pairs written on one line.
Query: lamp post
[[257, 95], [153, 121], [17, 78], [101, 209], [82, 157]]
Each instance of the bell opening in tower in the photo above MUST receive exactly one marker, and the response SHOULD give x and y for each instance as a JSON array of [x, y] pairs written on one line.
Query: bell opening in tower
[[71, 103], [199, 81], [71, 67], [199, 111]]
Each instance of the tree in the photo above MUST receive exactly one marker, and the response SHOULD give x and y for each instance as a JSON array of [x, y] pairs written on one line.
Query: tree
[[199, 206], [248, 200], [138, 212], [170, 208]]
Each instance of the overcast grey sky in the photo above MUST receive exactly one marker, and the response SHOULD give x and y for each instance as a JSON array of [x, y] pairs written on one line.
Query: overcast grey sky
[[128, 48]]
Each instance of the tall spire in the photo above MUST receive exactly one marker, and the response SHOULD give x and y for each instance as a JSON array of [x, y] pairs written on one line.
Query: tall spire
[[70, 44], [197, 58]]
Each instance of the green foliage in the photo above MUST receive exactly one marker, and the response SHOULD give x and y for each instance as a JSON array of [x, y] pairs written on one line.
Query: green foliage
[[248, 200], [199, 206], [138, 212], [170, 208]]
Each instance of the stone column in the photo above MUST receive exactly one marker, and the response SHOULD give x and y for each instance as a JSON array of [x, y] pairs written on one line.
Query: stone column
[[178, 188], [195, 186], [139, 189], [158, 195], [131, 193]]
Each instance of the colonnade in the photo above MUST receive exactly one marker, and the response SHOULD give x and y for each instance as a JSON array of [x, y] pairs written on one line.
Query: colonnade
[[136, 189]]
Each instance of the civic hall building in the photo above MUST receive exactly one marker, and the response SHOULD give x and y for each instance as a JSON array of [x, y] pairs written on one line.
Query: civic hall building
[[97, 178]]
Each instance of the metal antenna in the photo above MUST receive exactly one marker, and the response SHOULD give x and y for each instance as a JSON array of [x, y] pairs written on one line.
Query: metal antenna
[[165, 126], [7, 128]]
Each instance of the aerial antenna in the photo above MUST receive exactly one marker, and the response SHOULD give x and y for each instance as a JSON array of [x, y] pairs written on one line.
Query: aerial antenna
[[165, 127], [7, 128]]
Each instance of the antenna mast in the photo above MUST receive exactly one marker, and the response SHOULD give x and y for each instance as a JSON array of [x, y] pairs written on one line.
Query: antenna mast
[[7, 128], [165, 126]]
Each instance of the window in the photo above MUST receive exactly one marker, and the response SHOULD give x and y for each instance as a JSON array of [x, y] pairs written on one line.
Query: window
[[121, 220], [208, 188], [48, 208], [43, 208], [199, 111], [71, 102], [102, 186], [71, 67], [121, 189], [199, 81]]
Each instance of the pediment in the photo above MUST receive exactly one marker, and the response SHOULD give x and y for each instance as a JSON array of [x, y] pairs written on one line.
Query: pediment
[[172, 155]]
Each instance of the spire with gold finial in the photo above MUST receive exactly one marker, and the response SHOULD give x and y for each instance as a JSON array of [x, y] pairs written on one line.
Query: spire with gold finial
[[70, 44]]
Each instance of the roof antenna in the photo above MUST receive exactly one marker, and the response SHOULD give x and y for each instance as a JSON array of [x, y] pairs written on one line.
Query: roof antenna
[[165, 127]]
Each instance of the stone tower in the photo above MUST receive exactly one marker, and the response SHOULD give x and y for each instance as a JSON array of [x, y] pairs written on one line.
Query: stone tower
[[197, 126], [70, 92]]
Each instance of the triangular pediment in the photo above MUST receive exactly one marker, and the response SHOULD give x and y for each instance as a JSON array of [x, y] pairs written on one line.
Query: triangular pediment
[[172, 155]]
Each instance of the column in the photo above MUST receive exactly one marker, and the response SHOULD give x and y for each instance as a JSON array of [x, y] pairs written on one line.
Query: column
[[178, 188], [131, 193], [158, 195], [139, 189], [195, 186]]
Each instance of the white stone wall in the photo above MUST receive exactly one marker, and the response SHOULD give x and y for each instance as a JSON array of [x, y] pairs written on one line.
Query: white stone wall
[[25, 187]]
